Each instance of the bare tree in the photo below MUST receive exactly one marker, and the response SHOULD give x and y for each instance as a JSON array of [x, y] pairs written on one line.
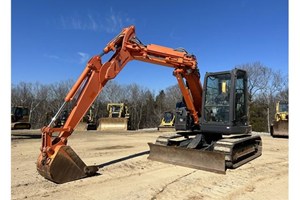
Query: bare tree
[[57, 93], [149, 119], [38, 104], [113, 92], [258, 75], [264, 87], [136, 102], [22, 94], [173, 95]]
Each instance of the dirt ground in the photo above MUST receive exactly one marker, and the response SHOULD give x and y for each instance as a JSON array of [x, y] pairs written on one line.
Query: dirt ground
[[126, 172]]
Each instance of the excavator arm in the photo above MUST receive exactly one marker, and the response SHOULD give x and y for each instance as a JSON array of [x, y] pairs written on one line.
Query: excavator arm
[[57, 161]]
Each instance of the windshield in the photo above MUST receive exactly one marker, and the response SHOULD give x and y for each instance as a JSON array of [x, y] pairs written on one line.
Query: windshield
[[240, 98], [116, 108], [19, 111], [217, 98], [13, 110], [168, 117], [283, 107]]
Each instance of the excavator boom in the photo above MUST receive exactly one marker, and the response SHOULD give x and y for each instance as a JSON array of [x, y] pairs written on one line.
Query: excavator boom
[[56, 157]]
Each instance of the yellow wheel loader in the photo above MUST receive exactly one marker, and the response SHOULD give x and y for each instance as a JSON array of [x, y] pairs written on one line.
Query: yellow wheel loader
[[20, 118], [280, 126], [167, 122], [118, 118]]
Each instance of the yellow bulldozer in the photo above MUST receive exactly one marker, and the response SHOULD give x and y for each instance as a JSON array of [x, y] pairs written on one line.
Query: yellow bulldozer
[[280, 125], [20, 118], [118, 118], [167, 122]]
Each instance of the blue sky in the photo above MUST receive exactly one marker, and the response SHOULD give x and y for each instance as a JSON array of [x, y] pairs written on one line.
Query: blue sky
[[51, 40]]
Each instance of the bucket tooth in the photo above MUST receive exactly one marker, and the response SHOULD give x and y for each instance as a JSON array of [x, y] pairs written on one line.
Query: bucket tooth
[[64, 166], [197, 159]]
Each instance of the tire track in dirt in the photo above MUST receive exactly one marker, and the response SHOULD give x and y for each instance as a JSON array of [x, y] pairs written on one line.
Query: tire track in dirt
[[110, 174], [174, 181], [238, 182], [232, 185], [140, 178]]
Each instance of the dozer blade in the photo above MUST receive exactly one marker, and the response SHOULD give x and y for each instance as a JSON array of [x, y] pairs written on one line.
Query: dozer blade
[[280, 128], [64, 166], [113, 124], [166, 128], [203, 160]]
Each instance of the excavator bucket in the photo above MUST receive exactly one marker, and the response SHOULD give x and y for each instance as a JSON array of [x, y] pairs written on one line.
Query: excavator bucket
[[113, 124], [64, 166], [280, 128], [197, 159]]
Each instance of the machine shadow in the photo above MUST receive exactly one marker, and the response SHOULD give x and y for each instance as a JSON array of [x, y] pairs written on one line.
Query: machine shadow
[[122, 159], [24, 136]]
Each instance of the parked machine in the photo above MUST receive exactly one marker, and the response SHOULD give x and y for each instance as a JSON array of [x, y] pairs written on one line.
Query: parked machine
[[20, 118], [117, 120], [61, 120], [168, 122], [213, 131], [280, 125], [91, 119]]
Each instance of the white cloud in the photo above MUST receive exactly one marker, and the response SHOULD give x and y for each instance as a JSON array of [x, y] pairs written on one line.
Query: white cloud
[[112, 22], [52, 56], [83, 57], [93, 24], [73, 23]]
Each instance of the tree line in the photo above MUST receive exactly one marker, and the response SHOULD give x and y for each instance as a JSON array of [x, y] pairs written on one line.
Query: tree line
[[266, 86], [146, 107]]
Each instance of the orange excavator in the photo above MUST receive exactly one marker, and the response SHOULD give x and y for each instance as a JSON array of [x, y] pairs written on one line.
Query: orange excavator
[[212, 129]]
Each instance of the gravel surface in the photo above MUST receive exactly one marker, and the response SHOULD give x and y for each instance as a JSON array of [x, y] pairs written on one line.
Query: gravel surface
[[126, 172]]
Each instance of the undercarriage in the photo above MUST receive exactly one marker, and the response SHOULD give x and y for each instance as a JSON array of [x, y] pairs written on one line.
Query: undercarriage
[[206, 152]]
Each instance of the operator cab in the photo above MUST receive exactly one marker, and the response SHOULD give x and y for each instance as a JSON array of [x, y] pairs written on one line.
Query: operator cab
[[168, 117], [283, 106], [224, 105], [115, 110]]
